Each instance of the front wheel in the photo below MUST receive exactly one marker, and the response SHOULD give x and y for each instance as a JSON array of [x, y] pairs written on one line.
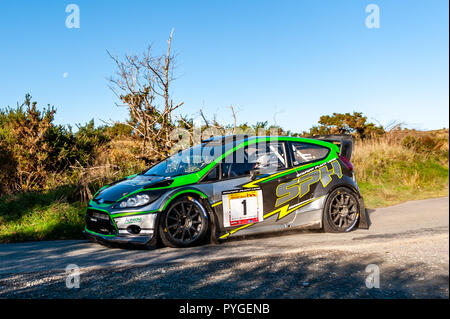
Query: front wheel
[[184, 223], [341, 212]]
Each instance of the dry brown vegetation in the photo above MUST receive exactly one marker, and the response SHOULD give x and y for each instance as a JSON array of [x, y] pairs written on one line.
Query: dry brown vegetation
[[403, 165]]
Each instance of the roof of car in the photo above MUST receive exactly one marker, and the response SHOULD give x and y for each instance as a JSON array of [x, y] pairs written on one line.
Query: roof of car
[[237, 139], [242, 137], [228, 138]]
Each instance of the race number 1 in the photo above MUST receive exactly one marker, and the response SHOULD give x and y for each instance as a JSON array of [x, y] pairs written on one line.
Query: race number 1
[[242, 207]]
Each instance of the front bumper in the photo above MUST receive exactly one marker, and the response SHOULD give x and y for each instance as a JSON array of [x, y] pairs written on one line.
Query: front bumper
[[133, 240], [105, 227]]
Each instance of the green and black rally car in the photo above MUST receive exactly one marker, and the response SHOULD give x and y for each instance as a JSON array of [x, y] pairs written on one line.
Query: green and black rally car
[[232, 186]]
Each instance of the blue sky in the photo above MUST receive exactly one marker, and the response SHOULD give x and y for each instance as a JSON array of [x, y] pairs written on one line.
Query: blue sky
[[287, 62]]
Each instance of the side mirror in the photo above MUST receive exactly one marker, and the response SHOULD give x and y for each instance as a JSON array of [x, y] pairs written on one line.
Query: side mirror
[[253, 174]]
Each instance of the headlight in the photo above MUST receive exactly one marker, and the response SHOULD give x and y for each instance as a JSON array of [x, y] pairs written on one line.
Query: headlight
[[136, 200]]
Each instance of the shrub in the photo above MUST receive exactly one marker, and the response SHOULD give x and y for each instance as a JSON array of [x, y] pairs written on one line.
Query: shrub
[[338, 123], [23, 133], [33, 149]]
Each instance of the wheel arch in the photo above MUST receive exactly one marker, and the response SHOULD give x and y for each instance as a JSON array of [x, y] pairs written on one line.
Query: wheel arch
[[363, 221], [202, 198], [181, 192]]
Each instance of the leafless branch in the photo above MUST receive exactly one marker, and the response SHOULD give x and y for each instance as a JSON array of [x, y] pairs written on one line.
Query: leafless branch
[[143, 82]]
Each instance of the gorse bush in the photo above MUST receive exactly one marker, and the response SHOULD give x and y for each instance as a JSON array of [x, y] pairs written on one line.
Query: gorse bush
[[7, 168], [23, 135], [32, 147]]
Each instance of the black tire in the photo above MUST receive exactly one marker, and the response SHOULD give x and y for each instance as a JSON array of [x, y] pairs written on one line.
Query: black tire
[[342, 211], [184, 223]]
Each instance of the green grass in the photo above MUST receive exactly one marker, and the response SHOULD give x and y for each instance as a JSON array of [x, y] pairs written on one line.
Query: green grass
[[401, 182], [389, 173], [40, 216]]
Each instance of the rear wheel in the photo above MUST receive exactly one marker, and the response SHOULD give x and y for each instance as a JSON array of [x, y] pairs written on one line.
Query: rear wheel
[[342, 210], [185, 223]]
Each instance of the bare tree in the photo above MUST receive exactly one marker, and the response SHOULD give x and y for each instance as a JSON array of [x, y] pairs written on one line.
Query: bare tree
[[202, 114], [234, 119], [142, 83]]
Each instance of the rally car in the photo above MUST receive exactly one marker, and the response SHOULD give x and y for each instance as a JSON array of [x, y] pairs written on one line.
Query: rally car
[[231, 186]]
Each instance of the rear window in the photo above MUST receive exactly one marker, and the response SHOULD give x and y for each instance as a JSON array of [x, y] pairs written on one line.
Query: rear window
[[306, 152]]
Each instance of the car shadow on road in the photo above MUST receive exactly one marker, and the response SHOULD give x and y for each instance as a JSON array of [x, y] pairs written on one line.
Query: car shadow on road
[[320, 275]]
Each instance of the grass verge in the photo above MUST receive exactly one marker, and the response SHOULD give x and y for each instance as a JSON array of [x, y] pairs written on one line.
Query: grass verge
[[40, 216], [389, 171]]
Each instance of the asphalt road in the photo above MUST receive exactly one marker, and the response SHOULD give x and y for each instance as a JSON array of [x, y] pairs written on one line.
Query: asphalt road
[[409, 243]]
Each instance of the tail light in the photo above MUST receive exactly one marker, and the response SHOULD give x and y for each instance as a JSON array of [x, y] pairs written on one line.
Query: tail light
[[346, 162]]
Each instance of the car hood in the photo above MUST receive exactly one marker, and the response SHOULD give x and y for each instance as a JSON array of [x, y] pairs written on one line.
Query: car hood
[[122, 188]]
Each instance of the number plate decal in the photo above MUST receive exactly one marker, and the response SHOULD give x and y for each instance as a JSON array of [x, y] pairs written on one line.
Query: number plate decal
[[241, 207]]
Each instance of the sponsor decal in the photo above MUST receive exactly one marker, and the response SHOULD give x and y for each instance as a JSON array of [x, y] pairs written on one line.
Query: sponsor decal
[[133, 220]]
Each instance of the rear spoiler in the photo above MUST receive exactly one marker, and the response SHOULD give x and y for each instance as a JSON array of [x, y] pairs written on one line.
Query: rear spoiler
[[343, 141]]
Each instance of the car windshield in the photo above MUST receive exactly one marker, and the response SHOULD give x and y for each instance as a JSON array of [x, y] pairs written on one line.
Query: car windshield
[[188, 161]]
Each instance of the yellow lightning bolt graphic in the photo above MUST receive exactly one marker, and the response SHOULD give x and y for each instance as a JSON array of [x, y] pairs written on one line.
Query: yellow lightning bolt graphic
[[282, 212]]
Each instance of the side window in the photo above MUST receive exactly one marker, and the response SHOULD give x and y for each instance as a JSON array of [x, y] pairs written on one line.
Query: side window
[[306, 152], [264, 157], [236, 169], [212, 175], [269, 157]]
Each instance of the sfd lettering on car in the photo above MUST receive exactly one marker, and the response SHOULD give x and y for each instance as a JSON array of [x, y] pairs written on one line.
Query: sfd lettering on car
[[301, 186]]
